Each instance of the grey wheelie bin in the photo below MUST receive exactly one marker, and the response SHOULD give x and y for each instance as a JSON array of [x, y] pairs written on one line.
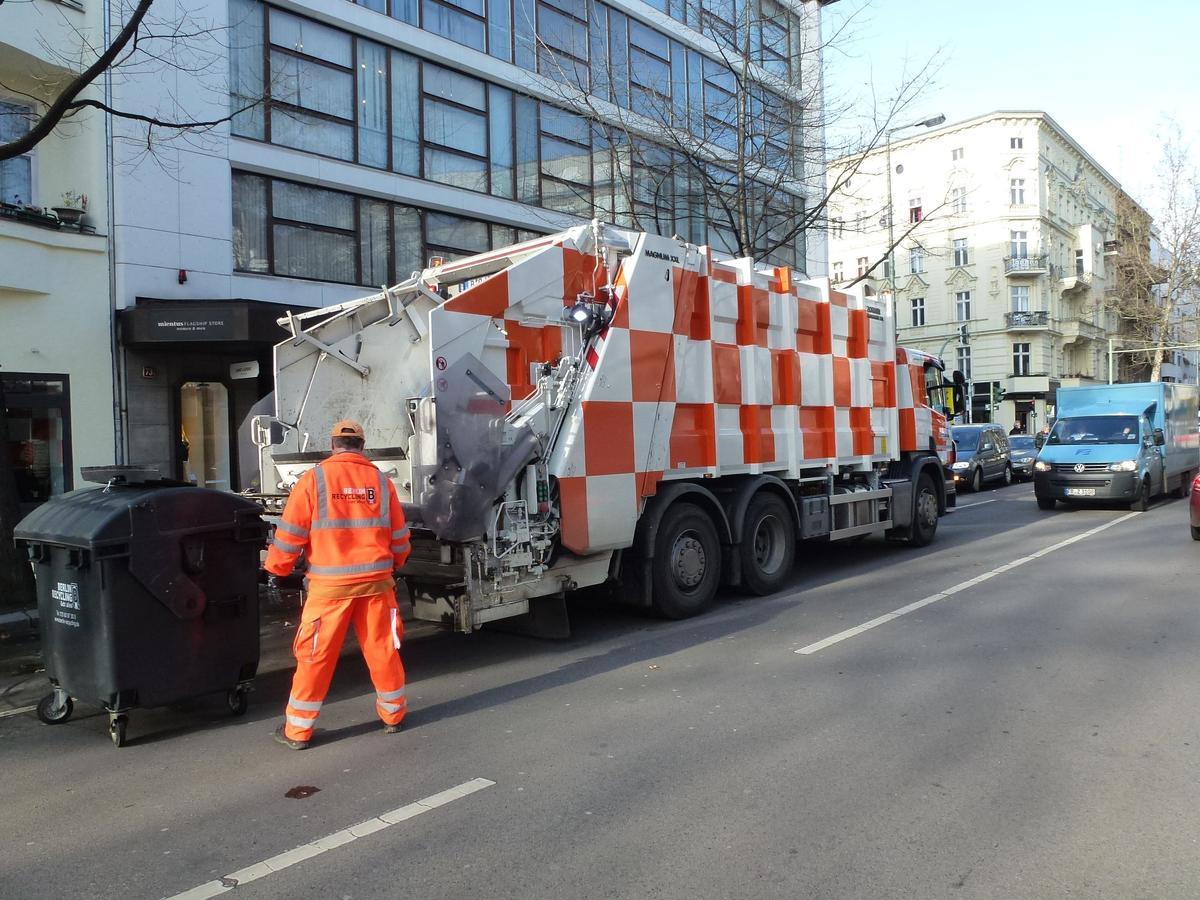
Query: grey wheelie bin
[[147, 594]]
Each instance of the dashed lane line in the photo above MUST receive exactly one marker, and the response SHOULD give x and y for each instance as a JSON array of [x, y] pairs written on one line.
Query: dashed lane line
[[4, 714], [332, 841], [969, 505], [950, 591]]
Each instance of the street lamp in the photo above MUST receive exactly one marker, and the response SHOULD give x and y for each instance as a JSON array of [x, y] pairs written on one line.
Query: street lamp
[[924, 123]]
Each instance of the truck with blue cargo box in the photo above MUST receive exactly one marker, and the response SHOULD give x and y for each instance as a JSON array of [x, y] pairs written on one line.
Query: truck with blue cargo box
[[1120, 442]]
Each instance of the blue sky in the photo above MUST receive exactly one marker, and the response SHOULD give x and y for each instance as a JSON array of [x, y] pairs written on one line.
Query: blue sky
[[1111, 73]]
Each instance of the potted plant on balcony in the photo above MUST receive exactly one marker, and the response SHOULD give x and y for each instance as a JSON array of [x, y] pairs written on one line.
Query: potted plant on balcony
[[73, 207]]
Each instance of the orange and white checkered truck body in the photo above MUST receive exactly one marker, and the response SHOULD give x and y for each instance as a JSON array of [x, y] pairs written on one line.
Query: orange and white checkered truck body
[[529, 446], [706, 369]]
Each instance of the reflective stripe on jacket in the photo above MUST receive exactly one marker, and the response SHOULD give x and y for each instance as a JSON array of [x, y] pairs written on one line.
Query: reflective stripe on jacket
[[345, 513]]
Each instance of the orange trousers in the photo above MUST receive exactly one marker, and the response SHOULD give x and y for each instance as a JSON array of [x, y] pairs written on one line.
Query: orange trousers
[[318, 644]]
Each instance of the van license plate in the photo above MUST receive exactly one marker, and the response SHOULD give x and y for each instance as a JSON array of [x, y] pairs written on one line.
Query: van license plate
[[1081, 492]]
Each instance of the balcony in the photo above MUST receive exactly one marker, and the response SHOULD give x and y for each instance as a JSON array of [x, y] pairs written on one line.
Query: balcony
[[1080, 330], [1026, 320], [1022, 386], [1076, 281], [1026, 265]]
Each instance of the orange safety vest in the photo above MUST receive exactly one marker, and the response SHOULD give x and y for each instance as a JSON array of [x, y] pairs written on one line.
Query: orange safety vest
[[345, 513]]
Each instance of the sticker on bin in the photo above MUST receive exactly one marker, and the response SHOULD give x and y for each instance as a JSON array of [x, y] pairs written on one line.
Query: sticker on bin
[[66, 595]]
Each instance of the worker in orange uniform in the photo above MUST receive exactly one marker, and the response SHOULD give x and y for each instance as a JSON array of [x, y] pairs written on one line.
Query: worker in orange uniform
[[345, 513]]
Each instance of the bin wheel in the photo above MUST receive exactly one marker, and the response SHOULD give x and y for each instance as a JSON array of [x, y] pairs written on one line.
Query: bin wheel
[[238, 700], [116, 730], [50, 711]]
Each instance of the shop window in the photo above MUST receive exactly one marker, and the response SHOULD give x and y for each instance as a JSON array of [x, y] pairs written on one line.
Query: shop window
[[37, 409], [204, 434]]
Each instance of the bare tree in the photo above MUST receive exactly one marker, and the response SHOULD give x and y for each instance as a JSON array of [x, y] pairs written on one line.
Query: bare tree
[[146, 48], [727, 146], [1157, 265]]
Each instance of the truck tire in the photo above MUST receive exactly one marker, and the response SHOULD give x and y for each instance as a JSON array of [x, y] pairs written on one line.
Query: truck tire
[[687, 563], [1195, 533], [768, 546], [1045, 502], [1141, 500], [925, 513]]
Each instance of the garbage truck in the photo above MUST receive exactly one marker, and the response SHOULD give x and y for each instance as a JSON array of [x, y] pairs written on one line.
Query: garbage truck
[[1119, 442], [603, 405]]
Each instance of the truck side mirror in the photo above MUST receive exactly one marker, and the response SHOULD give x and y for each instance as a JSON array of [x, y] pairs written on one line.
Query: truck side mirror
[[1039, 440], [1159, 439]]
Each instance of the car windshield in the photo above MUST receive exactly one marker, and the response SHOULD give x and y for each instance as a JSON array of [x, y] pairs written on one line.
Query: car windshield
[[1095, 430], [1021, 441], [965, 438]]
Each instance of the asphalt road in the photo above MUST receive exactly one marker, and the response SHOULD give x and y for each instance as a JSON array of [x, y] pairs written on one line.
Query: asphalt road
[[1033, 733]]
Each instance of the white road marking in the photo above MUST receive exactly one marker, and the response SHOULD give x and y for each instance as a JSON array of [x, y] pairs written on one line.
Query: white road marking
[[969, 505], [16, 712], [942, 595], [331, 841]]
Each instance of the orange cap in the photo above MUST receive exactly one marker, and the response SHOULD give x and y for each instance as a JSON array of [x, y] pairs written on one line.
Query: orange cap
[[348, 428]]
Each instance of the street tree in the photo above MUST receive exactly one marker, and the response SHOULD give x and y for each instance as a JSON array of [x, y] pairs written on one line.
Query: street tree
[[726, 147], [1157, 265]]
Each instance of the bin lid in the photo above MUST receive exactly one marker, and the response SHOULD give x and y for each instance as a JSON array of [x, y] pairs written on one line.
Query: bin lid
[[98, 517]]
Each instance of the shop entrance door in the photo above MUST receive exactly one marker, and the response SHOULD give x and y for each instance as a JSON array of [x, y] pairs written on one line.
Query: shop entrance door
[[203, 452]]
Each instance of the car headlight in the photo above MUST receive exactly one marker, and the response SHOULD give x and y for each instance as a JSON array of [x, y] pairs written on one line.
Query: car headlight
[[960, 465], [1125, 465], [1042, 466]]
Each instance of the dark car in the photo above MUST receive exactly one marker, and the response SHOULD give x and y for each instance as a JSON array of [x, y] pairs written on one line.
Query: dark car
[[1022, 451], [982, 456]]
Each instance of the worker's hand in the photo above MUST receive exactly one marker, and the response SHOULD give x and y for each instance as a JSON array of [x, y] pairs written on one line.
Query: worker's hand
[[274, 592]]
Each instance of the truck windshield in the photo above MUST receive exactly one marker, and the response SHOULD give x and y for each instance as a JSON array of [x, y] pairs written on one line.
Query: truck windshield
[[1095, 430]]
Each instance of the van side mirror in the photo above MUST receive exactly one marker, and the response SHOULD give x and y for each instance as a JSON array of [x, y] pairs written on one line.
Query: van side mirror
[[1159, 439], [1039, 440]]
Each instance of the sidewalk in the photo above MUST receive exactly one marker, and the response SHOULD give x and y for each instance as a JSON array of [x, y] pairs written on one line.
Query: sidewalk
[[23, 679]]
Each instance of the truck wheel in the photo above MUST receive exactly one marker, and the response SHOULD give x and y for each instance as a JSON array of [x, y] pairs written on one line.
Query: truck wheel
[[768, 545], [925, 513], [977, 481], [1045, 502], [1141, 501], [687, 562], [1196, 533]]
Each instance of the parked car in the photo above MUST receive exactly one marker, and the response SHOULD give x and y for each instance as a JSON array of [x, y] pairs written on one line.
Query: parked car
[[1022, 452], [1195, 508], [983, 456]]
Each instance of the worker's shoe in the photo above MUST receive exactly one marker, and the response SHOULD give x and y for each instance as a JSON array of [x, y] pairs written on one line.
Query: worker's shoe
[[393, 729], [282, 738]]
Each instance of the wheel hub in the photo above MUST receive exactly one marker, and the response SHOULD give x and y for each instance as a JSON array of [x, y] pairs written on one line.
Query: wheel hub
[[688, 561]]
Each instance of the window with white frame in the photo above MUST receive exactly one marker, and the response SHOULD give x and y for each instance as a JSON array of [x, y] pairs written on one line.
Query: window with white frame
[[1018, 244], [958, 199], [837, 227], [862, 266], [956, 154], [1018, 295], [1021, 359], [960, 251], [887, 267], [838, 276], [916, 260], [16, 174], [1016, 143], [1078, 262], [964, 362], [914, 210], [962, 306], [1016, 190], [918, 311]]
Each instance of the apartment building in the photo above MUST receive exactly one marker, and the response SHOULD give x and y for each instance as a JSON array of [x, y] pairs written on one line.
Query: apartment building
[[394, 131], [1006, 232], [56, 354]]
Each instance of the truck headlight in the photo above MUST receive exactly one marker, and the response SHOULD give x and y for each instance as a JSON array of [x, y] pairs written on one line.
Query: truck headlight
[[958, 466], [1040, 466], [1125, 465]]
